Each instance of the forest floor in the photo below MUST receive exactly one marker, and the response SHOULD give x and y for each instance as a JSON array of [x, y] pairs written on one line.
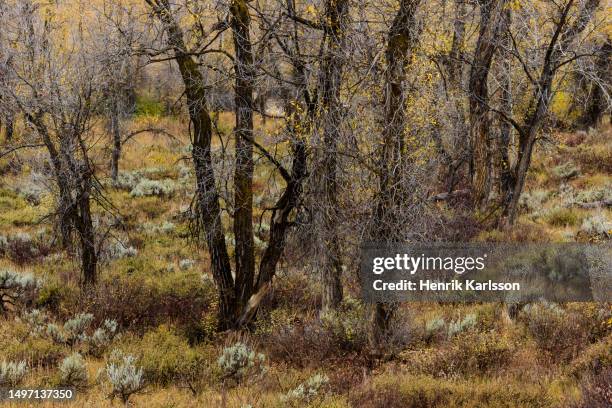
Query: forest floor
[[152, 284]]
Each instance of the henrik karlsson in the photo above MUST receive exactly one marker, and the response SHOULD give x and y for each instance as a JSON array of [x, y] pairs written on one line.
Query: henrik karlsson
[[454, 285]]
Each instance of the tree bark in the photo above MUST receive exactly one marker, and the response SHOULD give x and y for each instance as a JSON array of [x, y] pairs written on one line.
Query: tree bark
[[490, 22], [454, 160], [84, 226], [336, 14], [596, 107], [502, 168], [243, 175], [10, 126], [402, 39], [115, 131]]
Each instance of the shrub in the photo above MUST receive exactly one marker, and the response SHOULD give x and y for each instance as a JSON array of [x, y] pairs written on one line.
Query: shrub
[[597, 226], [428, 392], [148, 106], [36, 320], [307, 391], [593, 360], [73, 372], [146, 187], [186, 264], [12, 373], [239, 362], [102, 337], [533, 200], [459, 326], [127, 180], [560, 334], [118, 250], [468, 353], [433, 328], [17, 289], [595, 158], [154, 229], [166, 357], [566, 171], [588, 196], [347, 325], [33, 189], [22, 248], [125, 378], [597, 390], [180, 298], [75, 328], [562, 217]]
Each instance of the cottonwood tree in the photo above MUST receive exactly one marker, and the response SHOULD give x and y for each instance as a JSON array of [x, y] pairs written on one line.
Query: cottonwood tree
[[56, 77], [491, 22], [334, 24], [553, 58], [122, 32], [394, 161], [239, 296]]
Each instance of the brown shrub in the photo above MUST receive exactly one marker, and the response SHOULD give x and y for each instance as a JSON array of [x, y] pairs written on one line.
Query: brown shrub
[[138, 304], [575, 139], [597, 391], [559, 333]]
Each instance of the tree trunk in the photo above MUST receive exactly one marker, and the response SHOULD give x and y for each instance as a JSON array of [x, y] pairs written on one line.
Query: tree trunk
[[208, 207], [596, 107], [84, 226], [490, 18], [10, 126], [454, 159], [243, 175], [115, 131], [503, 174], [403, 37], [336, 12]]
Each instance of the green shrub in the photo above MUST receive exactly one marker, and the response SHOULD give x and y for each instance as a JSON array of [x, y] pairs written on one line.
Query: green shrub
[[566, 171], [147, 106], [347, 325], [563, 217], [166, 357], [38, 351]]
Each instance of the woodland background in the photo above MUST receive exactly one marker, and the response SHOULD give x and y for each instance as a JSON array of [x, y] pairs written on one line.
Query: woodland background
[[185, 186]]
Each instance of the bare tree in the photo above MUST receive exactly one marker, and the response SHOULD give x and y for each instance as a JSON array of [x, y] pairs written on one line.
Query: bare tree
[[393, 161], [565, 31], [58, 90], [240, 296]]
